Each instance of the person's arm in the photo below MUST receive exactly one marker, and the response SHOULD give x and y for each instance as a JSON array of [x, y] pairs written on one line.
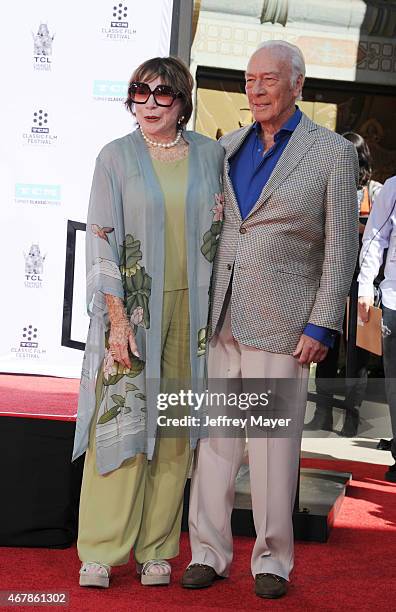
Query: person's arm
[[102, 251], [374, 188], [375, 241], [104, 283], [323, 334], [340, 253], [314, 343], [341, 241]]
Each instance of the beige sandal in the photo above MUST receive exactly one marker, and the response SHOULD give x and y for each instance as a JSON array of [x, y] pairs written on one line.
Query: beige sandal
[[95, 574], [149, 578]]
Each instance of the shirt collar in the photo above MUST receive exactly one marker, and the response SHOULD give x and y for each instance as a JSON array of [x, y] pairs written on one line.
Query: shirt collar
[[289, 126]]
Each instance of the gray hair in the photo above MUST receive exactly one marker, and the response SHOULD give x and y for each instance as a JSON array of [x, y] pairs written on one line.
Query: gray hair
[[294, 53]]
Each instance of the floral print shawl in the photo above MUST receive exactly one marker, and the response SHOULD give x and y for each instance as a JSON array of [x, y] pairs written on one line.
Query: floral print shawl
[[125, 258]]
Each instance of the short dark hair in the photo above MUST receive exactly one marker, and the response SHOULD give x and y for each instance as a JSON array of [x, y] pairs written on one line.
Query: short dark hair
[[364, 157], [174, 73]]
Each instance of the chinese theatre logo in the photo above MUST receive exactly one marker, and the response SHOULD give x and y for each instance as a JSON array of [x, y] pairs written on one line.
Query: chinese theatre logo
[[34, 267], [42, 43]]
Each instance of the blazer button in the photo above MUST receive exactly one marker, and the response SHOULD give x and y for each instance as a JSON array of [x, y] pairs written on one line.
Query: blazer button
[[242, 230], [229, 266]]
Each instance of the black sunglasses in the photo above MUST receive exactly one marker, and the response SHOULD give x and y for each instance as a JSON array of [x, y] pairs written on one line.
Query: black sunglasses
[[163, 94]]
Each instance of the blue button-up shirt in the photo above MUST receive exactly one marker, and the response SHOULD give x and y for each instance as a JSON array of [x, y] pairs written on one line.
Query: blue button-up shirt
[[249, 172], [250, 169]]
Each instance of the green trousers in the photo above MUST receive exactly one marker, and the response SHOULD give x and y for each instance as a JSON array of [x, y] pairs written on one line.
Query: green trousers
[[139, 505]]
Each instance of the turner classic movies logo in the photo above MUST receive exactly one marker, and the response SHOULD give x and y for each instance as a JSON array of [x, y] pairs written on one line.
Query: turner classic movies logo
[[37, 195], [34, 267], [29, 344], [42, 42], [40, 134], [110, 91], [119, 28]]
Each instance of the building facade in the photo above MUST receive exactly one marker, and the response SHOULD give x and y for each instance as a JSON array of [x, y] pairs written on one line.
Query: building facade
[[350, 52]]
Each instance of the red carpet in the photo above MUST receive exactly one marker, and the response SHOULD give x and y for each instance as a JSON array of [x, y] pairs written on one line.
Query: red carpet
[[354, 570], [38, 396]]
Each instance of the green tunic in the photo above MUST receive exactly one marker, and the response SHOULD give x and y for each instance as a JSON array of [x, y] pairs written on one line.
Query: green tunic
[[172, 177]]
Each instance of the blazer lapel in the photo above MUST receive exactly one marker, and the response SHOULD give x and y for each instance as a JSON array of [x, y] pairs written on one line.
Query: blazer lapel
[[232, 147], [301, 140]]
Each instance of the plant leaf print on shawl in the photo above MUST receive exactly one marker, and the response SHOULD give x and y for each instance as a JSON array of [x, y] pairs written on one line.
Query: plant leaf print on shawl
[[211, 237], [208, 250], [125, 254], [119, 403]]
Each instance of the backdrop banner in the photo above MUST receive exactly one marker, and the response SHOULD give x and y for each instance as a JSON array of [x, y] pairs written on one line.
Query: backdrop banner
[[65, 75]]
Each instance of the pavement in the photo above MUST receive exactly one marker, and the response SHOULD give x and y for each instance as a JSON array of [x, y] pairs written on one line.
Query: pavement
[[374, 424]]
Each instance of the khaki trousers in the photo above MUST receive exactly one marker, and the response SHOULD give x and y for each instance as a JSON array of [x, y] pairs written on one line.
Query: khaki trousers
[[273, 466], [140, 504]]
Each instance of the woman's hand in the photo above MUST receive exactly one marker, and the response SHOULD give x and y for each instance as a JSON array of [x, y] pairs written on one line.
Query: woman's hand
[[121, 333]]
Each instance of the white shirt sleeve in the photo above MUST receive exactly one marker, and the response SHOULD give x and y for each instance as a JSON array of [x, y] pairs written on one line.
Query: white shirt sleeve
[[376, 237]]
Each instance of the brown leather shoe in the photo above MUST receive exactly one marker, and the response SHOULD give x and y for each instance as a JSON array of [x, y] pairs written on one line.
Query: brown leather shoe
[[270, 586], [199, 576]]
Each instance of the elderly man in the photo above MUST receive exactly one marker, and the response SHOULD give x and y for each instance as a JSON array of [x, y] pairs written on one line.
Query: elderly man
[[281, 276]]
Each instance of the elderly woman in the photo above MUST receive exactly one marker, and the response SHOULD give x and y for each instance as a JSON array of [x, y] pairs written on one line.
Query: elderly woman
[[154, 218]]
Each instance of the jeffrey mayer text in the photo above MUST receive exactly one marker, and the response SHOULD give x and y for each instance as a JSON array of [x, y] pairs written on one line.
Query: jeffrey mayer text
[[221, 421]]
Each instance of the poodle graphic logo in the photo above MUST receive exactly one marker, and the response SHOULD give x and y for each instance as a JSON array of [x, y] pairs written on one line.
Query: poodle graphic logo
[[34, 267], [42, 42], [119, 29]]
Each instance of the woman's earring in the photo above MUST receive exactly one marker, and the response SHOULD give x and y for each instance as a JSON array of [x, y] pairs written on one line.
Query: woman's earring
[[180, 120]]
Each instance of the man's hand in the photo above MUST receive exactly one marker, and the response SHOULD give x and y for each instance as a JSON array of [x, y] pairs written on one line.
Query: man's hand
[[310, 350], [364, 304]]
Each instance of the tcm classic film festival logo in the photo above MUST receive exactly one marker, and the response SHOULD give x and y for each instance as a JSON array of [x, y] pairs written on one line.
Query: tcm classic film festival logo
[[29, 347], [40, 134], [110, 91], [36, 194], [42, 43], [119, 26], [34, 267]]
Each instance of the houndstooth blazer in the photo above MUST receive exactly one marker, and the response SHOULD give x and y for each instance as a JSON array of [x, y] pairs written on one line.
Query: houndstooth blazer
[[292, 259]]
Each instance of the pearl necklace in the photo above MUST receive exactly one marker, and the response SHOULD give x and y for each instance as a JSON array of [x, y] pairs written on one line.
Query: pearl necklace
[[165, 145]]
